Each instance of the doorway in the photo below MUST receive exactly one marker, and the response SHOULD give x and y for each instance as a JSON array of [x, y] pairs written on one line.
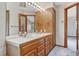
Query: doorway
[[73, 30]]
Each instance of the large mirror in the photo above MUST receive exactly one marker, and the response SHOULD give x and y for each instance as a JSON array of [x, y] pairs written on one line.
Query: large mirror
[[28, 17], [21, 18], [31, 23], [26, 23]]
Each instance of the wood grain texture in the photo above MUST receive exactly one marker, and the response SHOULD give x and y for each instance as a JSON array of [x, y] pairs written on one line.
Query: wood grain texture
[[77, 25], [38, 47], [45, 21]]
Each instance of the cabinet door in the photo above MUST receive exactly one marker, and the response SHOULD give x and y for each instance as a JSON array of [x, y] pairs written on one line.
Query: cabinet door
[[38, 22], [41, 53], [46, 46], [40, 47], [51, 42], [46, 50], [40, 50], [31, 53]]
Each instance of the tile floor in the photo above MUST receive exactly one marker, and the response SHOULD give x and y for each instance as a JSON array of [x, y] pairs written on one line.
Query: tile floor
[[70, 51], [72, 42], [60, 51]]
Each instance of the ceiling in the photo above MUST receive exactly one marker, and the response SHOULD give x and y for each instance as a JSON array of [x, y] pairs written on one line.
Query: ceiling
[[59, 3], [31, 9], [43, 5], [28, 9]]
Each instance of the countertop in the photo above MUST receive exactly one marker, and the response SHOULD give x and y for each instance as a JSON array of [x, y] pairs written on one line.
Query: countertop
[[16, 40]]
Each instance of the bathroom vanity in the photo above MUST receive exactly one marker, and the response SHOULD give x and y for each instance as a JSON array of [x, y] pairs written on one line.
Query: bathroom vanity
[[34, 44]]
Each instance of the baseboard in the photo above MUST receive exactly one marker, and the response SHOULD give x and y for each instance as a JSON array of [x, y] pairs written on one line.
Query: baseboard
[[60, 45], [54, 46]]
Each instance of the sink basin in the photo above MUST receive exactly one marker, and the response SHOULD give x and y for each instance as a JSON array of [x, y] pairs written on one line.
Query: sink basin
[[32, 35], [29, 35], [13, 36]]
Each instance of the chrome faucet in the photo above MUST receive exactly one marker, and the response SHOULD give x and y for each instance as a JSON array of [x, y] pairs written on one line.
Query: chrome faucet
[[23, 34]]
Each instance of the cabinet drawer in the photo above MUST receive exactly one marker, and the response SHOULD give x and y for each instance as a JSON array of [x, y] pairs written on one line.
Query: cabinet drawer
[[41, 53], [28, 48], [32, 41], [41, 41], [46, 52], [31, 53], [41, 47], [46, 39], [49, 37]]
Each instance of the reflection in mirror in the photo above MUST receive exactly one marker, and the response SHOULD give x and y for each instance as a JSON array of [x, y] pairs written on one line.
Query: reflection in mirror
[[22, 23], [17, 22], [30, 17], [26, 23], [30, 23]]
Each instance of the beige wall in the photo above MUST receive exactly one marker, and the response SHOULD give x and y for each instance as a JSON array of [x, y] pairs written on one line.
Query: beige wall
[[60, 25], [2, 28], [13, 17]]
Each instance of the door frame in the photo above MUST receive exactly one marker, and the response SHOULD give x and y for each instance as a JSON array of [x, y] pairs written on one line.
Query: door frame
[[65, 24]]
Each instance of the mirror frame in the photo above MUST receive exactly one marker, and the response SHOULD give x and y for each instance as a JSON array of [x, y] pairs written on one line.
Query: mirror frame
[[20, 22]]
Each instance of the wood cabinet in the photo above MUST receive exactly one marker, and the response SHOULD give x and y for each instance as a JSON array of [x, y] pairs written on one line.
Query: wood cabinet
[[38, 47], [31, 53], [46, 22], [38, 22], [29, 46], [41, 53], [48, 44], [40, 50]]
